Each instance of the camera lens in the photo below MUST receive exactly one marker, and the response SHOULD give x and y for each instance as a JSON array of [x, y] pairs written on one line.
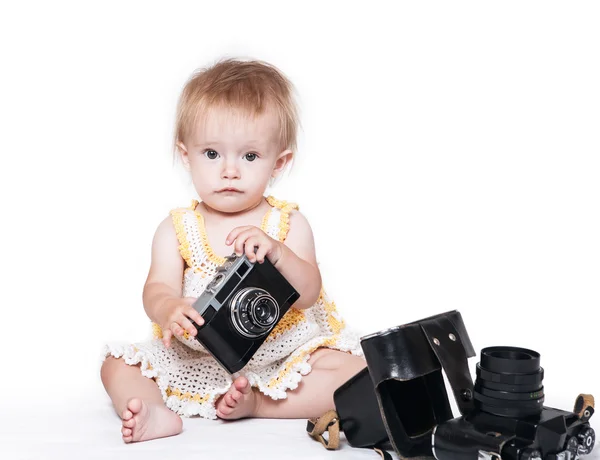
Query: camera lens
[[509, 382], [254, 312], [264, 311]]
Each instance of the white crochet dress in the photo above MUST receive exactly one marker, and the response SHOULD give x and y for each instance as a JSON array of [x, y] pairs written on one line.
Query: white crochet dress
[[189, 378]]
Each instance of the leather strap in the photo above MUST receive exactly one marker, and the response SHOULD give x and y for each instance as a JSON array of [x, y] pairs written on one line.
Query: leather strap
[[447, 346], [584, 406], [329, 422]]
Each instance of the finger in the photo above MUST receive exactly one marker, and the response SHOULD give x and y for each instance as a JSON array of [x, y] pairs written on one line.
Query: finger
[[188, 326], [262, 252], [167, 334], [235, 233], [249, 246], [189, 300], [240, 241], [194, 316], [177, 329]]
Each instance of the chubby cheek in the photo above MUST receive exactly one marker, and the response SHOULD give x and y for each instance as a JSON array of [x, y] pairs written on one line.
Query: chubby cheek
[[202, 180], [258, 177]]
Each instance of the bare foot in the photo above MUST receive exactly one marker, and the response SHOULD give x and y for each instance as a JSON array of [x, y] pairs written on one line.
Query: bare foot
[[144, 421], [239, 401]]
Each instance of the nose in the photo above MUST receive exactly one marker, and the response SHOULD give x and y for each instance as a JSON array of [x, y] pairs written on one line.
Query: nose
[[230, 170]]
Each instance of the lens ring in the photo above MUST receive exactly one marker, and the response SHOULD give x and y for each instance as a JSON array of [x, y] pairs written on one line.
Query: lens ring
[[509, 386], [510, 378], [264, 311], [534, 394], [509, 382], [241, 309], [512, 360]]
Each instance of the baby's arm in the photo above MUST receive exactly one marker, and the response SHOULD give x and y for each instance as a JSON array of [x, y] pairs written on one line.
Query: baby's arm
[[298, 261], [162, 292]]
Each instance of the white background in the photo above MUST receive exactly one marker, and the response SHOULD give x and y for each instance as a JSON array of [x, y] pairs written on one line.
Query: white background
[[449, 159]]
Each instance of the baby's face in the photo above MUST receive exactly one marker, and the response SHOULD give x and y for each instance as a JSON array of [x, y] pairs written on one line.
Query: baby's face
[[232, 157]]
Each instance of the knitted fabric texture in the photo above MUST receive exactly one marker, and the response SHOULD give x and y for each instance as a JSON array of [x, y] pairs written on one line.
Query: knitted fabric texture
[[189, 378]]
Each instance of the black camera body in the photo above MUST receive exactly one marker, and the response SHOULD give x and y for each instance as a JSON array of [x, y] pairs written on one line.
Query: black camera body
[[552, 435], [509, 420], [240, 306], [400, 399]]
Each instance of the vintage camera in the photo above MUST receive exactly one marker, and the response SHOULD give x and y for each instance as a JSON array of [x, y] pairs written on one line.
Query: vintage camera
[[509, 420], [400, 399], [240, 306]]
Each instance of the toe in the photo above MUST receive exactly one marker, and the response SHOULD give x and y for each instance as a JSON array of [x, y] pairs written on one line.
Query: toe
[[126, 432], [229, 400], [236, 396], [134, 405], [242, 384], [226, 410], [129, 423], [127, 438], [127, 414]]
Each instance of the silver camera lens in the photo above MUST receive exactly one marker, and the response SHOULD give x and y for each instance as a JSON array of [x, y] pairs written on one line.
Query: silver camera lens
[[264, 311], [254, 312]]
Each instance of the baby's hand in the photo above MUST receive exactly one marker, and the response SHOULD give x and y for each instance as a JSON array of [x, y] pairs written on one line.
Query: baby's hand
[[175, 318], [249, 237]]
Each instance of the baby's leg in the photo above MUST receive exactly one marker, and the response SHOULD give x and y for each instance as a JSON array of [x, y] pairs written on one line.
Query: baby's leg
[[138, 402], [313, 397]]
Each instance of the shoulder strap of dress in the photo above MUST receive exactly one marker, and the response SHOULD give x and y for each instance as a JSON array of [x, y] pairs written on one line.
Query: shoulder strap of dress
[[181, 221], [284, 209]]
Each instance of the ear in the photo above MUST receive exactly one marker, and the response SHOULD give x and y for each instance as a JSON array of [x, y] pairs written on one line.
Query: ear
[[282, 161], [185, 157]]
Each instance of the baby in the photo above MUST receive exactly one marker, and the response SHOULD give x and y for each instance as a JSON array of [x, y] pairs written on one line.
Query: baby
[[235, 133]]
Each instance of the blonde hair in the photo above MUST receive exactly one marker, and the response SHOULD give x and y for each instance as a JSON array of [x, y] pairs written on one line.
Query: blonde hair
[[250, 86]]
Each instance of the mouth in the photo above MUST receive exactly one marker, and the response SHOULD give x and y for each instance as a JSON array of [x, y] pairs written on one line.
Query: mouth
[[229, 189]]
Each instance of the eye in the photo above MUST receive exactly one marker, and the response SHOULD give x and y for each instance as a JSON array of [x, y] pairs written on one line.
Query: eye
[[211, 154], [250, 156]]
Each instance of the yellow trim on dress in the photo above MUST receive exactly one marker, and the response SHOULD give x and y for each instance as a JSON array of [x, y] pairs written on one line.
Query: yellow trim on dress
[[187, 396], [265, 221], [328, 342], [335, 324], [184, 244], [281, 203], [291, 319], [156, 331], [284, 221]]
